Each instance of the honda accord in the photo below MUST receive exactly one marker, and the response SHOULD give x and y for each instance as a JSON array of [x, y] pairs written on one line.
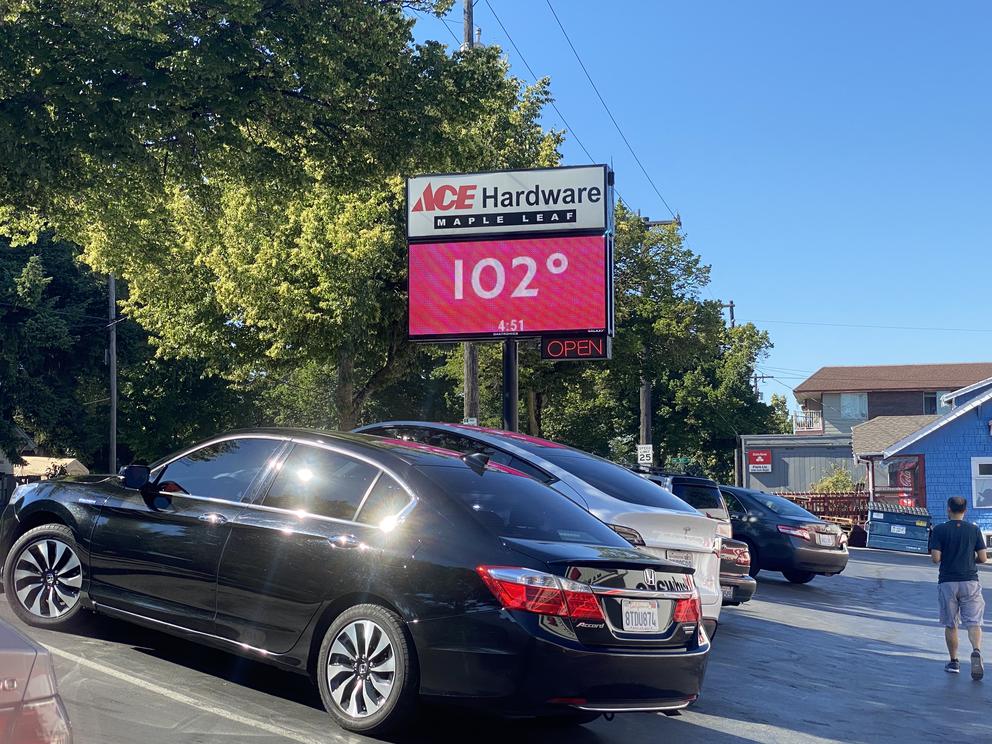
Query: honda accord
[[388, 571]]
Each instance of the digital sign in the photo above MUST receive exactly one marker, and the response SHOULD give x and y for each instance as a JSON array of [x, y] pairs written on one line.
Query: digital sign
[[510, 287], [540, 200]]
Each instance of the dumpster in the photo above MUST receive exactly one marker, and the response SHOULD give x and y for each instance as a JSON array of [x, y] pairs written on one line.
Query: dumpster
[[895, 527]]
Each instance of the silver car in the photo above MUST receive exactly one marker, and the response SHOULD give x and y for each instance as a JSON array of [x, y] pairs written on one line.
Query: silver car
[[30, 707], [646, 514]]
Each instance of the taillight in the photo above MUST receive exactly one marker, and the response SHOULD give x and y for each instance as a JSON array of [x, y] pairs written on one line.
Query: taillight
[[800, 532], [631, 536], [688, 611], [743, 557], [43, 722], [723, 529], [541, 593]]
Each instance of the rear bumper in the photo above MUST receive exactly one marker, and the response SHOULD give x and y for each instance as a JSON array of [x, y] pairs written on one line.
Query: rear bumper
[[736, 588], [819, 561], [525, 671]]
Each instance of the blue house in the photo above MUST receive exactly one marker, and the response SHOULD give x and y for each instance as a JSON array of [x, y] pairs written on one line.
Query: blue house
[[953, 454]]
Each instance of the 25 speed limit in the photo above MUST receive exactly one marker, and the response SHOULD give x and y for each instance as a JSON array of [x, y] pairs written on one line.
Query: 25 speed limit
[[487, 277]]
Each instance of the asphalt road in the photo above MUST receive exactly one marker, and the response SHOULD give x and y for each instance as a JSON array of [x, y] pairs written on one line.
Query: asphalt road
[[854, 658]]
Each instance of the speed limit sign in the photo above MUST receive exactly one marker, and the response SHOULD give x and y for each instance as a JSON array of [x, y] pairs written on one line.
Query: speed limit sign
[[645, 454]]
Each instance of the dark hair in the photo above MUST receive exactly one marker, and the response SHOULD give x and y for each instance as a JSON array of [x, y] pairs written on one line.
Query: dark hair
[[957, 504]]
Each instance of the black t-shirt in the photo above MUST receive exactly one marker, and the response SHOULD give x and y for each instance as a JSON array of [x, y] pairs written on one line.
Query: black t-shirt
[[957, 542]]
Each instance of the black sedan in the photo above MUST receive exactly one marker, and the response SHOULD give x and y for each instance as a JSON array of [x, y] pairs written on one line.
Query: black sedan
[[386, 570], [782, 536]]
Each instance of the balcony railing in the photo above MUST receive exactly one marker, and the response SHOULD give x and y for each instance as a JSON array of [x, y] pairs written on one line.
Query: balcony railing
[[807, 422]]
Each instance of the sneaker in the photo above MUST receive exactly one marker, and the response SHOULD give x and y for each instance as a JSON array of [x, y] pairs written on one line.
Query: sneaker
[[977, 668], [952, 667]]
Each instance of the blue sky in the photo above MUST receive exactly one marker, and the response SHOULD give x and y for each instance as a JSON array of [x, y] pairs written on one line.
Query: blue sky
[[832, 162]]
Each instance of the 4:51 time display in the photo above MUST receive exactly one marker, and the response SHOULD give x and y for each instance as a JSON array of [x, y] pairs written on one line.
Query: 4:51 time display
[[510, 326]]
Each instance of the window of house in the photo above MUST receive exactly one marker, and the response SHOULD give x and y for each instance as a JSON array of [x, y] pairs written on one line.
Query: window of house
[[981, 482], [854, 406], [932, 403]]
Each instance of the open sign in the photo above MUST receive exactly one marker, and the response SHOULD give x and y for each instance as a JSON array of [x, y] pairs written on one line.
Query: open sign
[[596, 346]]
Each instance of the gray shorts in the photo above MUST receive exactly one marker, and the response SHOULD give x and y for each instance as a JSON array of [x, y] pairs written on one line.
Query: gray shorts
[[961, 603]]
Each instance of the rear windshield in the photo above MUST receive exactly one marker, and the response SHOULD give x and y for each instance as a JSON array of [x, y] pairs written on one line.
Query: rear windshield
[[781, 505], [614, 480], [516, 506], [700, 496]]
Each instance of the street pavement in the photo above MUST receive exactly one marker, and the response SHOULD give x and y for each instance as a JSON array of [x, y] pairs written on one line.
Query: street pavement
[[853, 658]]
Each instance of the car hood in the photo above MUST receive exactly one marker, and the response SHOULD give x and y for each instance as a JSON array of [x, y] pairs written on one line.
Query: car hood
[[562, 553]]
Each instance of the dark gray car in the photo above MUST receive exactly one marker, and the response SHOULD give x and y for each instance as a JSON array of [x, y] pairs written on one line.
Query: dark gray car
[[30, 707]]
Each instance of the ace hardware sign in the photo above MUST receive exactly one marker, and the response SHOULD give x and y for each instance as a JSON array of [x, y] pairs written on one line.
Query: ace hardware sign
[[511, 254]]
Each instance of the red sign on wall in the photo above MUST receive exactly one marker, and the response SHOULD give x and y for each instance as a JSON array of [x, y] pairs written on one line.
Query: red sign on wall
[[521, 287], [759, 461]]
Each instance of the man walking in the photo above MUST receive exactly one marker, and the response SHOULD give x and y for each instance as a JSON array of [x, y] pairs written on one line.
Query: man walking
[[958, 547]]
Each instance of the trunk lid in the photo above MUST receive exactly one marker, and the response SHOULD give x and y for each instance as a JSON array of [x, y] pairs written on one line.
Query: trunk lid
[[17, 657], [637, 593]]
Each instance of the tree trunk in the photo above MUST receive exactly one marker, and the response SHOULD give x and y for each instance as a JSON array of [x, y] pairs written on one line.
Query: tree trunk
[[532, 423], [344, 395]]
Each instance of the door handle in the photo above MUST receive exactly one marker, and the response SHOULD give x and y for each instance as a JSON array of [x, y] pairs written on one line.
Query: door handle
[[213, 518], [345, 541]]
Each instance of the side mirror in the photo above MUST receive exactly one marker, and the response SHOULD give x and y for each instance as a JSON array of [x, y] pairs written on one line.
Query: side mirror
[[136, 477]]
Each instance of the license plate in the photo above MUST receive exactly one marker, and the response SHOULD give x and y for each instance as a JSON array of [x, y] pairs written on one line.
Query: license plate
[[681, 557], [822, 539], [898, 529], [640, 615], [728, 592]]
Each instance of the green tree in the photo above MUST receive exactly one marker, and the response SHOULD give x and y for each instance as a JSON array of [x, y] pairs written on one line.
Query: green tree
[[781, 419], [838, 480], [240, 167]]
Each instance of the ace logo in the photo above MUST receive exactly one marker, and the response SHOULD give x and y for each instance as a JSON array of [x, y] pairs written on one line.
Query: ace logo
[[445, 197]]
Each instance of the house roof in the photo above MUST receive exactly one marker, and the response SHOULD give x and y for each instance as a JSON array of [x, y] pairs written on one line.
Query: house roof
[[37, 465], [955, 394], [941, 422], [872, 437], [894, 377]]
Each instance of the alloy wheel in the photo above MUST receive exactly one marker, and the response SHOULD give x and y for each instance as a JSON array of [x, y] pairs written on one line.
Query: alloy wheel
[[361, 668], [47, 578]]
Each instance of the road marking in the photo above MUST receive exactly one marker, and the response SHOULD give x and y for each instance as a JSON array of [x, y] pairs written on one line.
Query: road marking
[[185, 699]]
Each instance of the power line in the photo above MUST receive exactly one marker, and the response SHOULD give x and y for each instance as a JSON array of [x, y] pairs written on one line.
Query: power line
[[873, 327], [535, 76], [610, 113]]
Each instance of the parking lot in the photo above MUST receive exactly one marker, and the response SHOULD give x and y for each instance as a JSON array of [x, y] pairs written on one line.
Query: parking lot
[[854, 658]]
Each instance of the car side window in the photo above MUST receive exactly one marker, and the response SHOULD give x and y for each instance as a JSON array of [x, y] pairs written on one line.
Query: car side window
[[734, 506], [386, 499], [318, 481], [224, 470]]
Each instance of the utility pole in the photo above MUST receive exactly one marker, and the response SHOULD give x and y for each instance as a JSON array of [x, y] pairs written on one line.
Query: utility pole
[[731, 306], [112, 358], [760, 378], [646, 392], [470, 351]]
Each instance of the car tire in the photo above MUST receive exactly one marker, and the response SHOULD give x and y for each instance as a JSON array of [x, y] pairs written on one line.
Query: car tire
[[367, 672], [799, 577], [43, 577]]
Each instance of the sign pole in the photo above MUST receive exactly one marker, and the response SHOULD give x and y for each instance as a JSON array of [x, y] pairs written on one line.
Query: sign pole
[[470, 370], [510, 385]]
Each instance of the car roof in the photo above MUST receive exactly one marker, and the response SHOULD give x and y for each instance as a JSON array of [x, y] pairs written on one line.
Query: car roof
[[683, 478], [410, 453], [482, 434]]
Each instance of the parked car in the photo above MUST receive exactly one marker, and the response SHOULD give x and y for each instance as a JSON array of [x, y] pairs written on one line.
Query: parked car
[[782, 536], [736, 583], [700, 493], [389, 571], [648, 516], [31, 710]]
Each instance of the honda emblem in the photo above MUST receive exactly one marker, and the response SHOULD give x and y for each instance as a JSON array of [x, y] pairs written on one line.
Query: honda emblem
[[649, 577]]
